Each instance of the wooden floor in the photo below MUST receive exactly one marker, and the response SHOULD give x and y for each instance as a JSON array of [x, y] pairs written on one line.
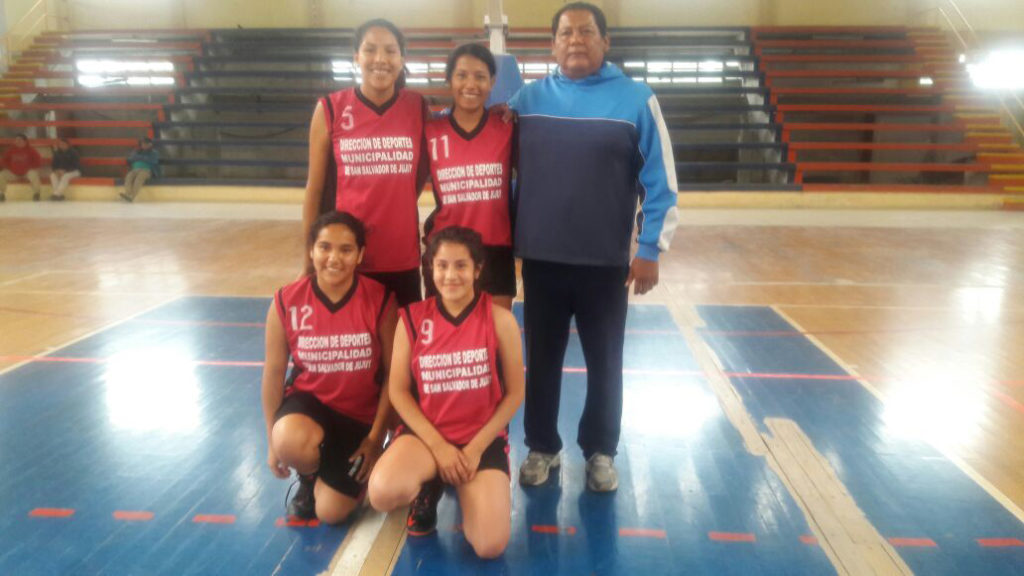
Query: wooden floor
[[929, 315]]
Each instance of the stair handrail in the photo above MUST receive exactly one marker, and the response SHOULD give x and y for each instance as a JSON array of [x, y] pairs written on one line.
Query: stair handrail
[[14, 40]]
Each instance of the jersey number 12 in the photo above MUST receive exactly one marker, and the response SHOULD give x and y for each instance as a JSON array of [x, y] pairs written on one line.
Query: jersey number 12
[[303, 322]]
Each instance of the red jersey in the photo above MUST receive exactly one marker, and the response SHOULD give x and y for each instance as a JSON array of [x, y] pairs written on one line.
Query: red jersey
[[455, 366], [377, 154], [335, 346], [471, 172], [21, 160]]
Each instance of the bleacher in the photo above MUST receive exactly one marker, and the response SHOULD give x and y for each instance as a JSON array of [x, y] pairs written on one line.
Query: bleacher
[[765, 109]]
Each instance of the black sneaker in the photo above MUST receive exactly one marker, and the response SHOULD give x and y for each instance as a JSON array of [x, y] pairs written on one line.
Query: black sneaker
[[57, 198], [422, 518], [303, 505]]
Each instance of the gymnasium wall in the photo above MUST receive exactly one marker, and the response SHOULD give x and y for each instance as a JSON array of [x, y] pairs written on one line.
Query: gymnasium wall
[[994, 15], [13, 10]]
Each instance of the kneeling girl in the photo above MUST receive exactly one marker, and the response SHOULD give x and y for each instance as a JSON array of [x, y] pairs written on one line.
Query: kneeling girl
[[456, 381], [329, 420]]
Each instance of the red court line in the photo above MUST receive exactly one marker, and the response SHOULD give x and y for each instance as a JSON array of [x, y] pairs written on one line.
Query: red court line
[[809, 540], [568, 370], [214, 519], [580, 370], [1009, 401], [1000, 542], [548, 529], [913, 542], [732, 537], [133, 515], [294, 522], [52, 513], [642, 533]]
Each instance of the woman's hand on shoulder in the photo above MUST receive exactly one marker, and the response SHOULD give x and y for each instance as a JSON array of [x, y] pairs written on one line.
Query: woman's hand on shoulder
[[502, 110]]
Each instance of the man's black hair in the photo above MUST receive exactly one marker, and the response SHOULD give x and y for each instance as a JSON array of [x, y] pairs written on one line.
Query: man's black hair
[[602, 23]]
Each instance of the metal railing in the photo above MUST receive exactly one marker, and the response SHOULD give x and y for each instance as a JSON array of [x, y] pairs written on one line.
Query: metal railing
[[21, 34]]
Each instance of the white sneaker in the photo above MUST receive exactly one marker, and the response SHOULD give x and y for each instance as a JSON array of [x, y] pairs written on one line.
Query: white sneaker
[[536, 468], [601, 474]]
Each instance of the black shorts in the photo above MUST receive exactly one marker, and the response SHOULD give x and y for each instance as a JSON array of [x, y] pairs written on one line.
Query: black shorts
[[495, 456], [405, 284], [342, 437], [498, 278]]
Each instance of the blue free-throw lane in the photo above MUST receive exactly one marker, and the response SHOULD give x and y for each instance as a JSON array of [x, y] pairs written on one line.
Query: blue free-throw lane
[[146, 423], [683, 473], [904, 486]]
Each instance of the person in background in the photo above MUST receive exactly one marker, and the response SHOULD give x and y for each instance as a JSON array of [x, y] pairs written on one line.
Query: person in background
[[143, 164], [65, 166], [20, 161]]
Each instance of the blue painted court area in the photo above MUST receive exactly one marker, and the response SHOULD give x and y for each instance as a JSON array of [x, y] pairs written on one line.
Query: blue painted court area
[[135, 420], [906, 488], [140, 450]]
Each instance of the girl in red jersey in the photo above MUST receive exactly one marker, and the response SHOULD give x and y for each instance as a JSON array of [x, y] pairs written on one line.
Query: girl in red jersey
[[456, 381], [365, 158], [328, 421], [470, 153]]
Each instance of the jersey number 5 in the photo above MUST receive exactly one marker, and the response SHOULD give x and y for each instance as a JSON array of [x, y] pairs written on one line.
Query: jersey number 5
[[433, 147], [347, 120], [301, 323]]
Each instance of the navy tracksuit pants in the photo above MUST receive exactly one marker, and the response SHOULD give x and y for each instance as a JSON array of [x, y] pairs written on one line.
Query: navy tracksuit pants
[[597, 297]]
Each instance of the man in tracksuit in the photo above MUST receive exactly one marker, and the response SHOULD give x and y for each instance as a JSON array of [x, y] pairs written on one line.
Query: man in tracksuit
[[593, 147]]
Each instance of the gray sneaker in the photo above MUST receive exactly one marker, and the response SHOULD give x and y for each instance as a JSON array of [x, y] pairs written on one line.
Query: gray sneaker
[[601, 474], [536, 468]]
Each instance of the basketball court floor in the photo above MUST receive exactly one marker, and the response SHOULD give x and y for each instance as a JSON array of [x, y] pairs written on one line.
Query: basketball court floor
[[807, 392]]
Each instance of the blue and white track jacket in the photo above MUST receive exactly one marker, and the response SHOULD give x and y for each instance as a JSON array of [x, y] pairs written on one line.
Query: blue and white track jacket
[[590, 150]]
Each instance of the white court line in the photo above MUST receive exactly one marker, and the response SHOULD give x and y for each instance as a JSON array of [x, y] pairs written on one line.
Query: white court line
[[835, 536], [356, 546], [964, 467], [52, 349], [22, 278]]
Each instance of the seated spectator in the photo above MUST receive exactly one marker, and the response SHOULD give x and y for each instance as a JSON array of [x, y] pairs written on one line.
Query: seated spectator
[[143, 164], [20, 161], [64, 167]]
